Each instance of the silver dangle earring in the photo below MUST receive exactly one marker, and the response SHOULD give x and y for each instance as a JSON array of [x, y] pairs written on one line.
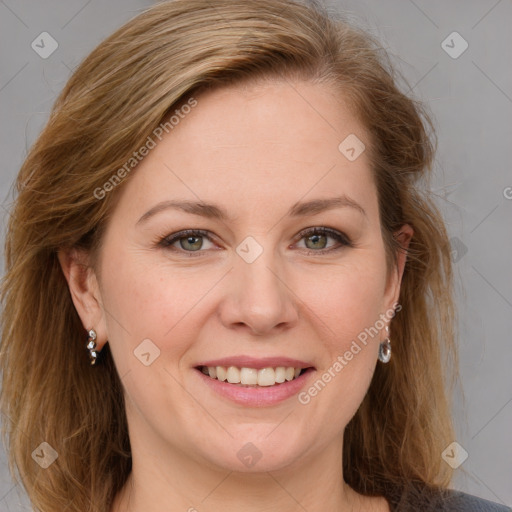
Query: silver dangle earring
[[385, 348], [91, 346]]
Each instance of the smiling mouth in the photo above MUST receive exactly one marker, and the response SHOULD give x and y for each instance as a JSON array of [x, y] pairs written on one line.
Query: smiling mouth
[[252, 377]]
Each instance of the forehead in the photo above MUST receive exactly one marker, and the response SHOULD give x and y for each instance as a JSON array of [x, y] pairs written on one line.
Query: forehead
[[255, 146]]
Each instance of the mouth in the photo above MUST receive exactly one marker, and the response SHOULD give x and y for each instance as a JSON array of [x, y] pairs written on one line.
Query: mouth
[[249, 377], [254, 381]]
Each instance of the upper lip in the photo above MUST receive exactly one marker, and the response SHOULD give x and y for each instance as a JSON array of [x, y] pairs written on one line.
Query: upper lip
[[257, 362]]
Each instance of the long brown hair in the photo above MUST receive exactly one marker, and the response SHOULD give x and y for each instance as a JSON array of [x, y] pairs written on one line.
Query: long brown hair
[[113, 101]]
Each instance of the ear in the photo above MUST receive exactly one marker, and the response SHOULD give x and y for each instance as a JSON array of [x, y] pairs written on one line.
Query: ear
[[403, 236], [85, 291]]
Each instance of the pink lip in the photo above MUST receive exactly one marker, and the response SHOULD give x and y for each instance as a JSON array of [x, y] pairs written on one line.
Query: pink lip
[[257, 396], [257, 363]]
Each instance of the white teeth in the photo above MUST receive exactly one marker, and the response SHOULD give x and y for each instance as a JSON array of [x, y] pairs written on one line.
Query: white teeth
[[233, 375], [280, 374], [290, 373], [266, 377], [251, 376], [221, 373]]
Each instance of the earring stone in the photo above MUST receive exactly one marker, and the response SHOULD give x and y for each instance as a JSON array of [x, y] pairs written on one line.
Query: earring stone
[[91, 347], [385, 348]]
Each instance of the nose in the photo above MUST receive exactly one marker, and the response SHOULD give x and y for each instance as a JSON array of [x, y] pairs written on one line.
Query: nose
[[259, 299]]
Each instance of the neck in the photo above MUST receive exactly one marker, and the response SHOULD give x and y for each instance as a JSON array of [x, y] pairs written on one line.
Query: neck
[[176, 482]]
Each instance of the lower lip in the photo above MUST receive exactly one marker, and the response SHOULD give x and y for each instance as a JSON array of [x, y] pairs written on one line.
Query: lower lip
[[257, 396]]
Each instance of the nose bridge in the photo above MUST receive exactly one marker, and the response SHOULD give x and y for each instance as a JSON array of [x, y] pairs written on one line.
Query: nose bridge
[[261, 300], [260, 275], [255, 271]]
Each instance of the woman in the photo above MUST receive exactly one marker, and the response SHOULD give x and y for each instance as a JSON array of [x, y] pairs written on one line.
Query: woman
[[178, 331]]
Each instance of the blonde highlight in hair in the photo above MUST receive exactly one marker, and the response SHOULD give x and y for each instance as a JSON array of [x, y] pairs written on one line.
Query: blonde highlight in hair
[[108, 108]]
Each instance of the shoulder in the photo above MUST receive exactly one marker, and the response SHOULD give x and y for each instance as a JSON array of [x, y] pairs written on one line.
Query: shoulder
[[427, 499], [461, 501]]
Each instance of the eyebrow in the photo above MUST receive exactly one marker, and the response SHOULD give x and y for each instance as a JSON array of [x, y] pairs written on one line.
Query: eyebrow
[[213, 211]]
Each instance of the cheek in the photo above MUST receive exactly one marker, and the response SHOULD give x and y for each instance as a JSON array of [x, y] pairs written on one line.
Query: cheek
[[347, 298], [150, 299], [148, 310], [349, 306]]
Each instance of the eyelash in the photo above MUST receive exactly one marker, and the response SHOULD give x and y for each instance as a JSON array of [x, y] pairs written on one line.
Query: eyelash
[[168, 241]]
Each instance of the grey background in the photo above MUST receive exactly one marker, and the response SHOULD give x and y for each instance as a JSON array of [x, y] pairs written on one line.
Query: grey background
[[471, 100]]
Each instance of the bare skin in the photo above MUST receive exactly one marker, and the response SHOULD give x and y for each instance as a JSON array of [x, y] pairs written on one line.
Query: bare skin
[[255, 152]]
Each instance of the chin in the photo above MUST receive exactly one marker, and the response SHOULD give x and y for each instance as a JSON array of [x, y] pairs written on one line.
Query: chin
[[256, 454]]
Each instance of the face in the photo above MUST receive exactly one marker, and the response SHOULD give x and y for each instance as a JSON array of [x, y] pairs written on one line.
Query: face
[[256, 289]]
